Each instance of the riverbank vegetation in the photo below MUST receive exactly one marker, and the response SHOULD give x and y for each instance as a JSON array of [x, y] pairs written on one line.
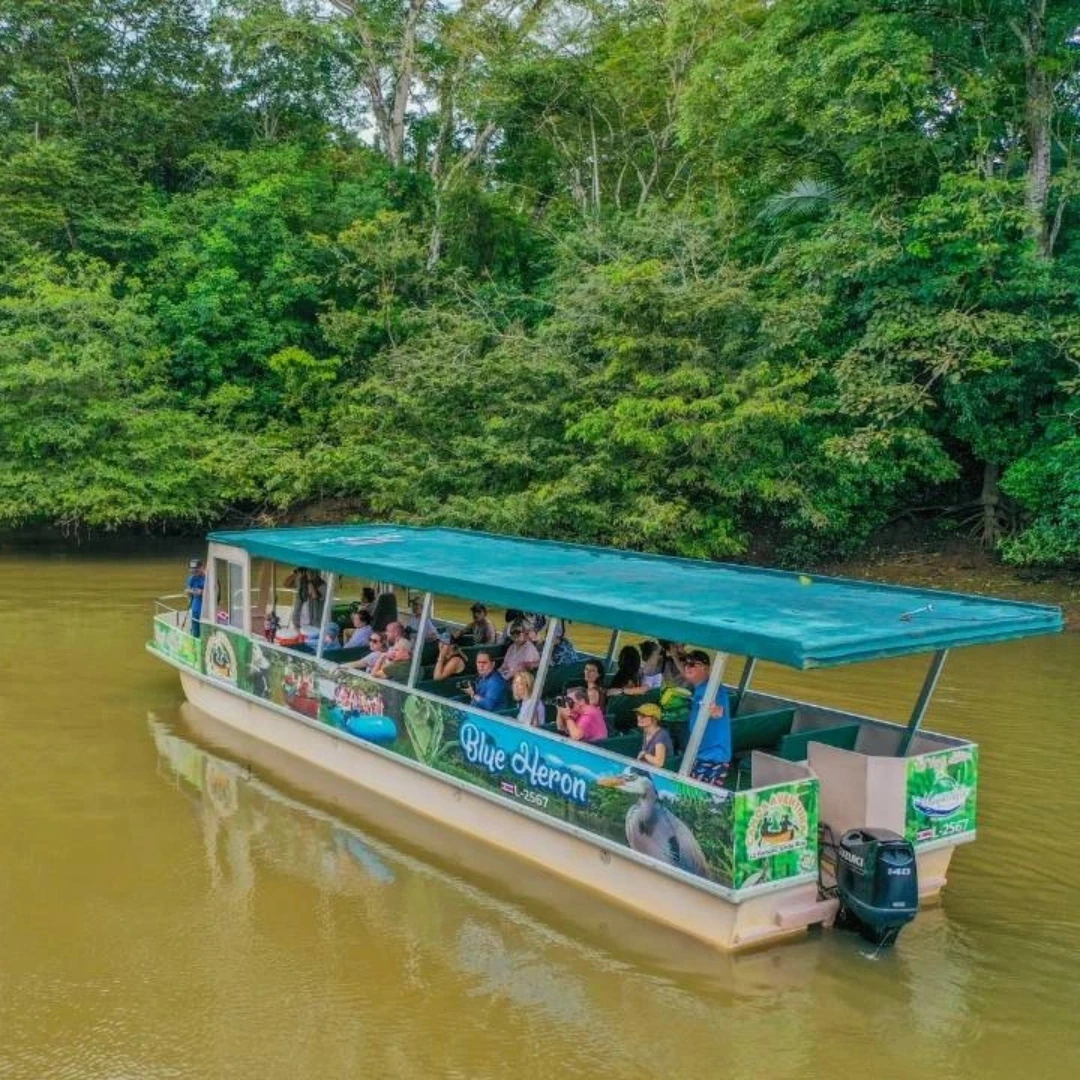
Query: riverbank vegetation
[[674, 275]]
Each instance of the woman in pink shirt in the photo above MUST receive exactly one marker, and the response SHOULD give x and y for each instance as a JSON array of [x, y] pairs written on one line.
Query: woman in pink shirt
[[578, 719]]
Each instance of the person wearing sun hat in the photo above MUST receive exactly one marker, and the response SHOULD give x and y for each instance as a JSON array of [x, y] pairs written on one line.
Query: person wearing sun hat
[[656, 745]]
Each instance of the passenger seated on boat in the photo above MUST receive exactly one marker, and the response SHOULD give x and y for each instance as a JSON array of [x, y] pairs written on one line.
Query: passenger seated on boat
[[451, 661], [713, 760], [481, 631], [656, 745], [398, 650], [628, 678], [377, 642], [361, 631], [522, 655], [563, 651], [412, 622], [367, 599], [593, 674], [578, 719], [652, 665], [490, 690], [530, 712]]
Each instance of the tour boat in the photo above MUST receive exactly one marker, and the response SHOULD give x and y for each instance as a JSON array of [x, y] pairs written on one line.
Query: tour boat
[[824, 812]]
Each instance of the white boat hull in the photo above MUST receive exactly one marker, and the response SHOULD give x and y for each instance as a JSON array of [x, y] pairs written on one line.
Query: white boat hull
[[617, 874]]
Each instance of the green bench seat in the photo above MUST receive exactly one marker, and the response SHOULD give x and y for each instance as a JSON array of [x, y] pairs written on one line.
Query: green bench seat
[[447, 688], [620, 708], [756, 731], [343, 656], [628, 745], [796, 747]]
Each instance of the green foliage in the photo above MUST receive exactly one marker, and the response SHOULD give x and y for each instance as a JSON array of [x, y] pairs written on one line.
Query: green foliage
[[88, 429], [681, 275], [1046, 483]]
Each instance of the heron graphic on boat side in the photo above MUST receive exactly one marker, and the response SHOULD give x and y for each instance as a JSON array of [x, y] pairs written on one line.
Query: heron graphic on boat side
[[652, 829]]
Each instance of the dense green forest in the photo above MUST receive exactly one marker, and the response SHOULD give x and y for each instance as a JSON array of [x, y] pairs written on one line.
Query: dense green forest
[[674, 274]]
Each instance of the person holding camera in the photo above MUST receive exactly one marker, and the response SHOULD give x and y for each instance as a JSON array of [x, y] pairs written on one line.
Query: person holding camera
[[490, 690], [578, 719]]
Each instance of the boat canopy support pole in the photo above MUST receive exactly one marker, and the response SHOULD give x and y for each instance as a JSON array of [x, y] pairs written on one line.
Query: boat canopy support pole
[[545, 663], [612, 645], [744, 683], [327, 608], [923, 702], [418, 641], [699, 723]]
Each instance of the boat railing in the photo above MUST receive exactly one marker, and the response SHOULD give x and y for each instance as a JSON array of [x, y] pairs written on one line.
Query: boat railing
[[173, 609]]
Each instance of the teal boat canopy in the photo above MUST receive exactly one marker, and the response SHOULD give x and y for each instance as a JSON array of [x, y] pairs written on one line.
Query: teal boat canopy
[[800, 620]]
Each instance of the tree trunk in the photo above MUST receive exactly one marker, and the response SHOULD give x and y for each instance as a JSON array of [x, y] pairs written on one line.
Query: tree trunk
[[990, 532], [1038, 116]]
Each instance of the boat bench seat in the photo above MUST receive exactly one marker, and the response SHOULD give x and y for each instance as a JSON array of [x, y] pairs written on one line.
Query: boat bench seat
[[341, 656], [447, 688], [497, 652], [628, 745], [620, 708], [796, 746], [757, 731], [562, 676]]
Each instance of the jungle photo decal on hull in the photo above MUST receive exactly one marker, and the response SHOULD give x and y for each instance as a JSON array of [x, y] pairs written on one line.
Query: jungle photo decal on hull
[[655, 813], [178, 644]]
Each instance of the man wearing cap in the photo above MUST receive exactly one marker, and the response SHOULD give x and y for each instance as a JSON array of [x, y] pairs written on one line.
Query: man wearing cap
[[656, 745], [194, 587], [481, 631], [713, 760]]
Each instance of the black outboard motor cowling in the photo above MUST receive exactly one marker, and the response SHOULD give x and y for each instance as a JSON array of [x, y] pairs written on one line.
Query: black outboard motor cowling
[[877, 881]]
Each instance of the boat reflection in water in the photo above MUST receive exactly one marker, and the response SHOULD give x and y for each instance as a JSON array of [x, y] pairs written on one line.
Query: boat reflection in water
[[506, 924]]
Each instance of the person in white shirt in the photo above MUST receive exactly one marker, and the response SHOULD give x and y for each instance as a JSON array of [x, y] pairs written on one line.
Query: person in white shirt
[[412, 623], [361, 633], [522, 655], [377, 644]]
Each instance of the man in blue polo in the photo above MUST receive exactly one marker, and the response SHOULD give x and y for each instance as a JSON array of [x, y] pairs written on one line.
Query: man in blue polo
[[194, 586], [713, 760], [490, 691]]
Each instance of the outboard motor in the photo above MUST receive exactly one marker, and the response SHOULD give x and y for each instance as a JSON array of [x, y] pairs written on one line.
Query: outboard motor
[[877, 881]]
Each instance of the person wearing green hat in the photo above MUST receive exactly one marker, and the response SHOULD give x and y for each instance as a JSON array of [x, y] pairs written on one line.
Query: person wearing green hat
[[656, 744]]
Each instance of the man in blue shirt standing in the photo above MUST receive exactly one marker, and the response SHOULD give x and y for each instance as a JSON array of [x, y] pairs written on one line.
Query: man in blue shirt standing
[[490, 691], [194, 587], [713, 760]]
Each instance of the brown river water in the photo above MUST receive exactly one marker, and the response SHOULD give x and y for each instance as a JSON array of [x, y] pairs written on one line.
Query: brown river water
[[173, 906]]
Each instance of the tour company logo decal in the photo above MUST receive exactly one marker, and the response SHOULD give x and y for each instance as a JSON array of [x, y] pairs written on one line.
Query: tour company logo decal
[[220, 657], [526, 762], [949, 798], [777, 824]]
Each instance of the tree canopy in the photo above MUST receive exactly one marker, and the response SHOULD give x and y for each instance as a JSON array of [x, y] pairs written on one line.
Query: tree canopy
[[683, 275]]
